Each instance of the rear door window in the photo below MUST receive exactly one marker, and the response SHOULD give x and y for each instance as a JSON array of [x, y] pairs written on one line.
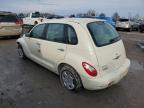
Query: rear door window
[[103, 33], [55, 33]]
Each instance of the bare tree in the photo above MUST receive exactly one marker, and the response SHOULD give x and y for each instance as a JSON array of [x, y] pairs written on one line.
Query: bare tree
[[102, 15], [21, 15], [137, 17], [116, 16], [91, 12]]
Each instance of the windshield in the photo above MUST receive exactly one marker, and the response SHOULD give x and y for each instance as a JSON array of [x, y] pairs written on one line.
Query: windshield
[[103, 33], [36, 15]]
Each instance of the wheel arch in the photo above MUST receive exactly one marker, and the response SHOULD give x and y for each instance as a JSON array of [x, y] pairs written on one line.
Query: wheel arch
[[59, 67], [21, 42], [76, 72]]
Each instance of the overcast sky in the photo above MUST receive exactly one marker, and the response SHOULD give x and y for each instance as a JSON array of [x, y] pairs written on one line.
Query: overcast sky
[[64, 7]]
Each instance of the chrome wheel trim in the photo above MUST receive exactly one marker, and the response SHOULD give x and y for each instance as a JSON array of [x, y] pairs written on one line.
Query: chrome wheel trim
[[68, 80]]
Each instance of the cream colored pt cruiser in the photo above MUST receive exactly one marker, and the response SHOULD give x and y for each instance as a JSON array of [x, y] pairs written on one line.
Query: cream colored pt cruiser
[[84, 52]]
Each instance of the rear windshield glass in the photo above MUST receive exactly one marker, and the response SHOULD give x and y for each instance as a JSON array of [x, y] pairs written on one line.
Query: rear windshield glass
[[36, 15], [103, 33], [123, 20], [8, 18]]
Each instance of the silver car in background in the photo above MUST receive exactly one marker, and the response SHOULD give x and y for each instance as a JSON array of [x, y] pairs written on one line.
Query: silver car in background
[[127, 24], [10, 24]]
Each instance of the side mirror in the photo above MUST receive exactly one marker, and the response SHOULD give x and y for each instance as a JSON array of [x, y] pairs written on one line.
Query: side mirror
[[27, 34]]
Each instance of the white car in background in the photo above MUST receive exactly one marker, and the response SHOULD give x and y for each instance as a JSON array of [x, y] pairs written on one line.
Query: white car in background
[[85, 52], [127, 24], [33, 19]]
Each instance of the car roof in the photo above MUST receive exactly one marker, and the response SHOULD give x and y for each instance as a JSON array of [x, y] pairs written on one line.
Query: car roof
[[6, 13], [75, 20]]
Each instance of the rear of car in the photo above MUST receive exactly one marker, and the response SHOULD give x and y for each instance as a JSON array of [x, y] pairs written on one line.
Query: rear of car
[[10, 24], [141, 27], [127, 24], [110, 54], [123, 24]]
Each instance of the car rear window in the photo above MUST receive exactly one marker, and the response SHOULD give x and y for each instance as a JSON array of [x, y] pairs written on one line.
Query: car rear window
[[124, 20], [103, 33], [8, 18], [36, 15]]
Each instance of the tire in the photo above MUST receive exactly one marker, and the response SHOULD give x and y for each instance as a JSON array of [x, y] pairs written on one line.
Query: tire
[[117, 29], [130, 29], [70, 79], [140, 30], [21, 52], [35, 23]]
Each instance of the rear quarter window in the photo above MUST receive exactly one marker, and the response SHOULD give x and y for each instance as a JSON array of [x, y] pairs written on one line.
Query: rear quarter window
[[72, 36]]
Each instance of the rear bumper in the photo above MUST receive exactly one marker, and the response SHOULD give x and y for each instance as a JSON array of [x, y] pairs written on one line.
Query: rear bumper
[[107, 80], [124, 27], [10, 32]]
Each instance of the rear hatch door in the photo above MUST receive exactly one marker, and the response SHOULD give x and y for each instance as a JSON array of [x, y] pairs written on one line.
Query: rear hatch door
[[109, 48]]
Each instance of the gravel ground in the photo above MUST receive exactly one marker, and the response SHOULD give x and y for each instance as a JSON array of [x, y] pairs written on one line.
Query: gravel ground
[[25, 84]]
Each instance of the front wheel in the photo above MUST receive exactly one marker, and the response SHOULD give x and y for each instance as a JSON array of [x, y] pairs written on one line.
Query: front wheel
[[21, 52], [70, 79]]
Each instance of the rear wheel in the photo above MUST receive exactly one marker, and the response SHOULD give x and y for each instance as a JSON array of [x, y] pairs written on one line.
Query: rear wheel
[[70, 79], [130, 29], [21, 52], [140, 30]]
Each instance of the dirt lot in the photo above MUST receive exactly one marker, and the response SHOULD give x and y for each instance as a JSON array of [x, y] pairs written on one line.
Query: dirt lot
[[25, 84]]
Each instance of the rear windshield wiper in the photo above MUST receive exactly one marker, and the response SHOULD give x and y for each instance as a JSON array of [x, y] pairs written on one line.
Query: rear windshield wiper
[[114, 39]]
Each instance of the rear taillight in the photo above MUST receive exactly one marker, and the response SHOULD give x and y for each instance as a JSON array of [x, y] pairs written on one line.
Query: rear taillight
[[89, 69], [18, 22]]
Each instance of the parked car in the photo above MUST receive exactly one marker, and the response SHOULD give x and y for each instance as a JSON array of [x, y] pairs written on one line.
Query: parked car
[[107, 19], [54, 17], [141, 27], [10, 24], [33, 19], [127, 24], [85, 53]]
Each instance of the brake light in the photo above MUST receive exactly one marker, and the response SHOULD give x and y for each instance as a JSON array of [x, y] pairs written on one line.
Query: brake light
[[18, 22], [89, 69]]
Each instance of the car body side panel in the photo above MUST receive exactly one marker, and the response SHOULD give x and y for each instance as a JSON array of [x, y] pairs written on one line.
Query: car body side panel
[[82, 52]]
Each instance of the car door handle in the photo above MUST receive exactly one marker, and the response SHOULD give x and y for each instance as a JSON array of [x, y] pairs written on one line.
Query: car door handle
[[61, 50], [117, 57]]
